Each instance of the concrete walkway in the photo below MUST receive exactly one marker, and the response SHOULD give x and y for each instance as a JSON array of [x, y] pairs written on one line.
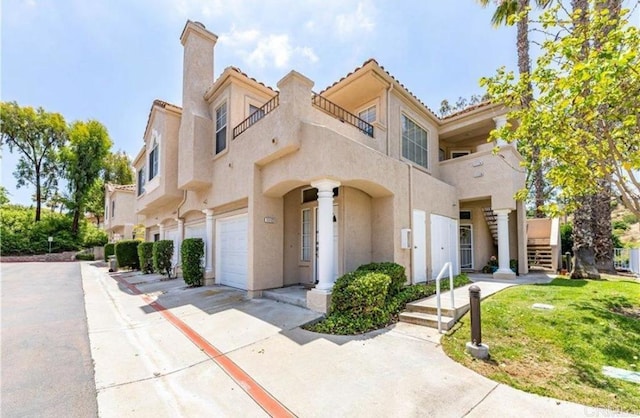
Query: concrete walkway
[[147, 364]]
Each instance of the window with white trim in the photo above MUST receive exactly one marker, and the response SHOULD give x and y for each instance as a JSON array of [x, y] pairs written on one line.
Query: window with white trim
[[368, 115], [221, 128], [141, 181], [153, 161], [414, 142], [305, 253], [113, 208]]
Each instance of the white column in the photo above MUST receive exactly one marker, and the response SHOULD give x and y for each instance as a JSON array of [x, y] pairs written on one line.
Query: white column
[[180, 239], [325, 233], [504, 271], [161, 231], [209, 247], [500, 121]]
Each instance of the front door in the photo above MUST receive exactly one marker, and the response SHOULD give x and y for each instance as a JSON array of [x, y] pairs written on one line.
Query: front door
[[444, 244], [419, 246], [335, 243], [466, 247]]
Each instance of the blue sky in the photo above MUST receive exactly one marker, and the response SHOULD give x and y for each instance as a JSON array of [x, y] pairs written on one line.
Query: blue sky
[[109, 59]]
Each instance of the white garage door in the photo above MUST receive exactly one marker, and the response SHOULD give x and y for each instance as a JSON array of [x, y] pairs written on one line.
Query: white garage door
[[231, 251]]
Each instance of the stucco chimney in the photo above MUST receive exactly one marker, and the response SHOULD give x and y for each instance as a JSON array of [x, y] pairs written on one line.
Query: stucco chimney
[[195, 136]]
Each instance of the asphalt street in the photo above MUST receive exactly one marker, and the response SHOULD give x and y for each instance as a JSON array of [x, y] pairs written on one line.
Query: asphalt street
[[47, 369]]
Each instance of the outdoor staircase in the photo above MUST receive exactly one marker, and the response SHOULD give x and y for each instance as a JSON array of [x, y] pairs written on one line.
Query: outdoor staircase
[[540, 255], [492, 222], [424, 312]]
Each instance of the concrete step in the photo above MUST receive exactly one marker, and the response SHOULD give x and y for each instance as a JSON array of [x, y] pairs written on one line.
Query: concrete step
[[428, 308], [427, 320], [292, 295]]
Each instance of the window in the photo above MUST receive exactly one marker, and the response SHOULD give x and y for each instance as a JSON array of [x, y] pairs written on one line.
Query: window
[[458, 154], [305, 254], [113, 208], [140, 181], [153, 161], [465, 214], [156, 237], [106, 211], [414, 142], [368, 115], [221, 128], [311, 195]]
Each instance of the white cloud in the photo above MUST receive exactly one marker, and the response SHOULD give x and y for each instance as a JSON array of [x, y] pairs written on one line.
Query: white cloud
[[260, 50], [361, 20]]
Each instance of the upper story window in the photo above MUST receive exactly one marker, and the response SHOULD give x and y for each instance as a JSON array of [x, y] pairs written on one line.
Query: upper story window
[[221, 128], [106, 211], [141, 181], [414, 142], [153, 161], [368, 115], [113, 208]]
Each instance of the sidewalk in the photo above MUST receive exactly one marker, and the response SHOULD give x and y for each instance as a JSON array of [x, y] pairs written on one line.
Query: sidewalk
[[146, 366]]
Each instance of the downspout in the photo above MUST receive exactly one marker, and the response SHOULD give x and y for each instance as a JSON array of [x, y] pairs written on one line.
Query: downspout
[[184, 199], [389, 116]]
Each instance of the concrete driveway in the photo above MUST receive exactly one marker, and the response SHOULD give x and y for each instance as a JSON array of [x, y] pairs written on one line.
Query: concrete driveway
[[162, 350], [46, 361]]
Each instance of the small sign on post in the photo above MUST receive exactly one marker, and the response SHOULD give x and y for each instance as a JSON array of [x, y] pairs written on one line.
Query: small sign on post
[[50, 239]]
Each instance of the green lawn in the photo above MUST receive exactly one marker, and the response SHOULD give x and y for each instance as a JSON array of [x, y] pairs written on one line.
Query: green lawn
[[560, 353]]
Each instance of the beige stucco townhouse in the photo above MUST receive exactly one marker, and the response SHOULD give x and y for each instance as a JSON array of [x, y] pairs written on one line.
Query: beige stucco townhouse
[[289, 186], [119, 211]]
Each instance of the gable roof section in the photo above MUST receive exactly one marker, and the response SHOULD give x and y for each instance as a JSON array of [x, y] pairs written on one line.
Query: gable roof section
[[235, 72], [160, 104]]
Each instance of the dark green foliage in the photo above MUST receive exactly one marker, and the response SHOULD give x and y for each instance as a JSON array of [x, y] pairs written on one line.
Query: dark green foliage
[[360, 293], [566, 238], [360, 300], [621, 225], [395, 272], [192, 251], [109, 250], [21, 236], [127, 254], [145, 255], [630, 219], [162, 254], [85, 257]]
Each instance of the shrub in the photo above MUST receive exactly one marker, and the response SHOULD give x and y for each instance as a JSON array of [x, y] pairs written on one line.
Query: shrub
[[364, 293], [92, 236], [621, 225], [127, 254], [630, 219], [85, 257], [192, 251], [566, 238], [162, 253], [109, 250], [145, 255], [395, 272]]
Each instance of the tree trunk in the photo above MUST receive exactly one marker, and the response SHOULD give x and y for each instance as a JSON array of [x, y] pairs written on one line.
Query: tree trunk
[[524, 68], [38, 194], [602, 230], [584, 266], [76, 221]]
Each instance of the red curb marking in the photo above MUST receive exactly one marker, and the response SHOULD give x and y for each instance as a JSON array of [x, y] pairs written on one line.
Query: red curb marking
[[263, 398]]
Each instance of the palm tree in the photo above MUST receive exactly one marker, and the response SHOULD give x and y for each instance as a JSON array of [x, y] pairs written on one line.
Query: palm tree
[[505, 10]]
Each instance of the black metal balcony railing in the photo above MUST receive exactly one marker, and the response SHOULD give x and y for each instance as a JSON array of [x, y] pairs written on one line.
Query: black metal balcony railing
[[256, 116], [342, 114]]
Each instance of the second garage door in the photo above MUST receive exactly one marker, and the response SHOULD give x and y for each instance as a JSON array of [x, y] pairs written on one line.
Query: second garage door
[[232, 251]]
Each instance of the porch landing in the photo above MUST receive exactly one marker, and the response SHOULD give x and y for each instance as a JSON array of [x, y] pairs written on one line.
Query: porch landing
[[293, 295], [424, 311]]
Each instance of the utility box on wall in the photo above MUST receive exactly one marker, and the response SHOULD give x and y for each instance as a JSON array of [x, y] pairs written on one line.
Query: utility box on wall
[[405, 238]]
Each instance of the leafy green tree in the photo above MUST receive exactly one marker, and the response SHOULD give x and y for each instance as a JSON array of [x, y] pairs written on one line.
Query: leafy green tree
[[84, 158], [584, 117], [37, 136], [4, 196], [117, 170]]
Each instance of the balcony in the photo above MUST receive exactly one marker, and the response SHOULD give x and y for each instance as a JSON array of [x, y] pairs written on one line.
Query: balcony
[[341, 114], [263, 111]]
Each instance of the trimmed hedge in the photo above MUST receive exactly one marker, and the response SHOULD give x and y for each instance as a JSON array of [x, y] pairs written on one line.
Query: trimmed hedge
[[395, 272], [145, 255], [360, 293], [192, 251], [127, 254], [85, 257], [109, 249], [162, 254]]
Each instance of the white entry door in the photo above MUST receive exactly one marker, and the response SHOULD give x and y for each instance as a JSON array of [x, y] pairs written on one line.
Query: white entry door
[[444, 244], [232, 249], [419, 246]]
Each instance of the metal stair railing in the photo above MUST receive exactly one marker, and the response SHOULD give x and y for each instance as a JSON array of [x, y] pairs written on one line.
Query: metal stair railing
[[449, 267]]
